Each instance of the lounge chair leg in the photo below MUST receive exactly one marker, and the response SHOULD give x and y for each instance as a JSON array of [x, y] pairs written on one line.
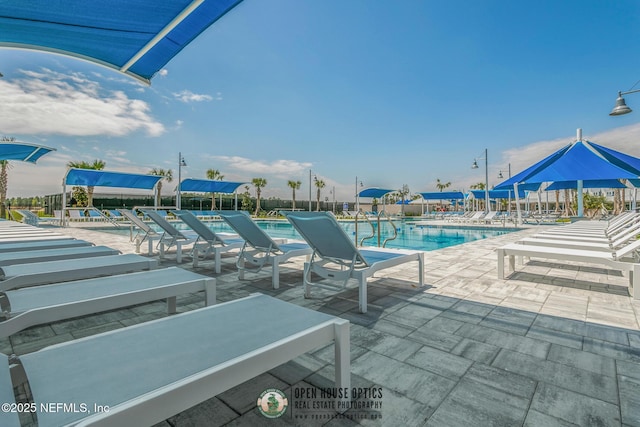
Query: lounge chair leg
[[161, 251], [171, 305], [195, 257], [210, 291], [343, 363], [241, 267], [179, 253], [500, 263], [150, 248], [421, 269], [275, 272], [217, 261], [363, 294], [306, 279], [512, 263]]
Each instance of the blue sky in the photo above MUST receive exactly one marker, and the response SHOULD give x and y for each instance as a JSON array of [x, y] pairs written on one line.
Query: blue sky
[[394, 93]]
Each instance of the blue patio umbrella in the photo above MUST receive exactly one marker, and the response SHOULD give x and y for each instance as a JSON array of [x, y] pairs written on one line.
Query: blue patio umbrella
[[23, 151], [581, 161], [136, 37]]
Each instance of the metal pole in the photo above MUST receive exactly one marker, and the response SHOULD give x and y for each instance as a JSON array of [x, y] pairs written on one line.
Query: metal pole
[[486, 181], [178, 201], [309, 190], [356, 195]]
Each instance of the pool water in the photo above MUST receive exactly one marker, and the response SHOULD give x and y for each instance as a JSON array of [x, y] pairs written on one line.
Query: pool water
[[426, 238]]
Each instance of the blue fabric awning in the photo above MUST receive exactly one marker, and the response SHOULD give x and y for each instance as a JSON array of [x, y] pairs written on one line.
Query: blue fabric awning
[[97, 178], [209, 186], [603, 183], [374, 192], [446, 195], [498, 194], [578, 161], [136, 37], [23, 151]]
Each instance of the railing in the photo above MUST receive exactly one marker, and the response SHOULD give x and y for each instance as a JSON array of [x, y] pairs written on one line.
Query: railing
[[373, 228]]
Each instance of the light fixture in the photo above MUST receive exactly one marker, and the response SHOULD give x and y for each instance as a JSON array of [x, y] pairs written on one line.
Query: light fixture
[[487, 207], [181, 163], [621, 107], [500, 176]]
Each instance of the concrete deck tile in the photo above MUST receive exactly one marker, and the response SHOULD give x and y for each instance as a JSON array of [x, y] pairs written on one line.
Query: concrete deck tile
[[243, 397], [434, 338], [440, 362], [574, 407], [507, 340], [629, 400], [606, 348], [583, 360], [538, 419], [475, 350], [628, 369], [211, 412], [598, 386], [557, 337]]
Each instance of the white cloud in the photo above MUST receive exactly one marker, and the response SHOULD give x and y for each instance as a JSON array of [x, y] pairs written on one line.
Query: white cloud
[[47, 102], [188, 96], [163, 72], [281, 168]]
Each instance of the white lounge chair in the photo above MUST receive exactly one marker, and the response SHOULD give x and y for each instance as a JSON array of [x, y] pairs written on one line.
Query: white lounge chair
[[41, 273], [259, 248], [171, 236], [144, 233], [207, 241], [43, 255], [23, 308], [43, 244], [151, 371], [614, 260], [335, 257]]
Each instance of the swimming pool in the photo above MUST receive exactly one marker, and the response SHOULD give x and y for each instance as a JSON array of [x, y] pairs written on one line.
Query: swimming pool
[[426, 238]]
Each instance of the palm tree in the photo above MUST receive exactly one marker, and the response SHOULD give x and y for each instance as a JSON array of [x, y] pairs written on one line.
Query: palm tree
[[294, 185], [4, 178], [96, 165], [258, 183], [165, 174], [319, 185], [214, 174], [442, 185]]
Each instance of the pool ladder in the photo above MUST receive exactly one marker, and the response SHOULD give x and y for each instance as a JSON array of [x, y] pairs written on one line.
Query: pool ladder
[[373, 228]]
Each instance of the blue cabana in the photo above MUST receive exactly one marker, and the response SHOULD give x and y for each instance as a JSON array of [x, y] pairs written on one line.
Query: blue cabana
[[209, 186], [440, 195], [601, 183], [498, 194], [136, 37], [23, 151], [374, 192]]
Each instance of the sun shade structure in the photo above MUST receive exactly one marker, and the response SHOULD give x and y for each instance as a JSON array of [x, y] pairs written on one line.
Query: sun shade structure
[[374, 192], [23, 151], [598, 183], [497, 194], [440, 195], [581, 161], [209, 186], [136, 37]]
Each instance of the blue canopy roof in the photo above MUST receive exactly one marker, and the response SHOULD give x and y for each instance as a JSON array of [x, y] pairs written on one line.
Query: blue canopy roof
[[447, 195], [136, 37], [23, 151], [625, 161], [498, 194], [578, 161], [601, 183], [97, 178], [374, 192], [209, 185]]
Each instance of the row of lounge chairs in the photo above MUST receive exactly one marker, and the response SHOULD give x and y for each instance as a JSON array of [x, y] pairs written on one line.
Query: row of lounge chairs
[[611, 243], [330, 252], [97, 371]]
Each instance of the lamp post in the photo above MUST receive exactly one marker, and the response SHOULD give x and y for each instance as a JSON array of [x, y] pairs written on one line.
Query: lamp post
[[333, 192], [181, 163], [487, 207], [621, 107], [500, 176], [309, 190], [357, 196]]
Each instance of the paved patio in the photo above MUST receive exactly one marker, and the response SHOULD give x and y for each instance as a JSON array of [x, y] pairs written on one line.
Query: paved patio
[[554, 344]]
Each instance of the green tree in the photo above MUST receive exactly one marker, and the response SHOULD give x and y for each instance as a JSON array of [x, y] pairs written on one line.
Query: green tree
[[80, 196], [320, 184], [294, 185], [166, 175], [96, 165], [214, 174], [442, 185], [259, 184], [246, 204], [4, 178]]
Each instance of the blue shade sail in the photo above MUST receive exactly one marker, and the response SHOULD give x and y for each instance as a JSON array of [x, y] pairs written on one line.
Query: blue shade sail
[[446, 195], [576, 162], [598, 183], [95, 178], [209, 186], [136, 37], [374, 192], [498, 194], [624, 161], [23, 151]]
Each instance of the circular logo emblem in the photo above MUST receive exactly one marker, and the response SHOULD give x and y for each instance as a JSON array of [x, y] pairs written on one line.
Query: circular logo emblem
[[272, 403]]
